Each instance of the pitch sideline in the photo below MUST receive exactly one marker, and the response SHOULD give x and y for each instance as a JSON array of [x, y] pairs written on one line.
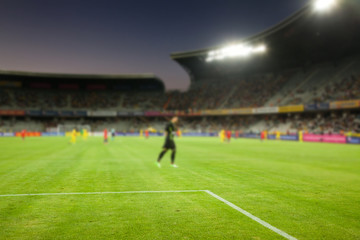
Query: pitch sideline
[[249, 215]]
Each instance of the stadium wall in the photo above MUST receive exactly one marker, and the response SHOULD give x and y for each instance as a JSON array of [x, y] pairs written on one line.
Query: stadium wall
[[351, 104], [325, 138]]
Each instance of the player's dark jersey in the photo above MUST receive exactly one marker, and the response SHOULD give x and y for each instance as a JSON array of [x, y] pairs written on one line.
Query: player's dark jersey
[[169, 141], [169, 129]]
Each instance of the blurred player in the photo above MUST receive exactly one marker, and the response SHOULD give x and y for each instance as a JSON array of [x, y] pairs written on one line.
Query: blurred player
[[169, 142], [113, 133], [179, 133], [228, 136], [146, 133], [278, 135], [73, 136], [301, 136], [237, 134], [222, 135], [105, 136], [23, 134], [85, 134], [262, 135]]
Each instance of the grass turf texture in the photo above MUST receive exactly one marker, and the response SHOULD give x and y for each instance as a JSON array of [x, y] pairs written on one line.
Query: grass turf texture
[[308, 190]]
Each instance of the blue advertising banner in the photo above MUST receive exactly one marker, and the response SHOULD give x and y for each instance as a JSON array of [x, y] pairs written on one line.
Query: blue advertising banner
[[353, 140], [323, 106], [50, 113], [250, 135], [53, 134], [138, 113], [317, 106], [310, 107], [189, 134], [289, 137], [271, 137], [67, 113], [195, 134], [33, 113], [80, 113], [124, 134], [157, 134], [7, 134], [123, 114]]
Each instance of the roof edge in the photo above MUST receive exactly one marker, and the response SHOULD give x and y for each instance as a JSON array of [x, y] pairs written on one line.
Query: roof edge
[[79, 75], [295, 16]]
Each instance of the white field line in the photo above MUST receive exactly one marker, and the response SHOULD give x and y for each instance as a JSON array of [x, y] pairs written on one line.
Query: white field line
[[262, 222], [96, 193], [258, 220]]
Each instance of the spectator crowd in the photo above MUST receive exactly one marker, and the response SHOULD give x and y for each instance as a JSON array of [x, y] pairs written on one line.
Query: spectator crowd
[[241, 92]]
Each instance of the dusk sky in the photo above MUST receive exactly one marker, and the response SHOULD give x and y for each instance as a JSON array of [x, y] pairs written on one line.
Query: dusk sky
[[121, 36]]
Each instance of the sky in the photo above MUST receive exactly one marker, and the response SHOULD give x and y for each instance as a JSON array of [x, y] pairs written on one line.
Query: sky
[[126, 36]]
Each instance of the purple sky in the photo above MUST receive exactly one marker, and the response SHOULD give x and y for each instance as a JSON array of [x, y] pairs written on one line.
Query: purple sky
[[118, 37]]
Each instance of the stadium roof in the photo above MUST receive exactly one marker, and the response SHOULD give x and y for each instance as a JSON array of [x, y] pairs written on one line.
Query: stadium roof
[[303, 39], [83, 78]]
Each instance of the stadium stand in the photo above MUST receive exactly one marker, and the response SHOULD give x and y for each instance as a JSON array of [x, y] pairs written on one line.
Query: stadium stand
[[320, 85], [335, 122]]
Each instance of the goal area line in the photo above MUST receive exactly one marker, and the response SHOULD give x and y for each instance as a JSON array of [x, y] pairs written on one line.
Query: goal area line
[[244, 212]]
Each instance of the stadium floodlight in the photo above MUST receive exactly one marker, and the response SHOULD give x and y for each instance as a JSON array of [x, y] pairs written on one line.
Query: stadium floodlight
[[324, 5], [260, 49], [235, 51]]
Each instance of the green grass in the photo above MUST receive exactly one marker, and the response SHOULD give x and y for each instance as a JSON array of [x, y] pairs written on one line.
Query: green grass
[[308, 190]]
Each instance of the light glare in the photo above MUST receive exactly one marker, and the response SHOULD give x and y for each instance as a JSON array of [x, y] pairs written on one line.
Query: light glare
[[234, 51], [324, 5]]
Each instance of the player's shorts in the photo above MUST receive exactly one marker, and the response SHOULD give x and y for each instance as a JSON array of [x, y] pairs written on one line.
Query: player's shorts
[[169, 144]]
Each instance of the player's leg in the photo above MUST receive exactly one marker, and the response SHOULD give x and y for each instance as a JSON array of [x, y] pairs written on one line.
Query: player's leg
[[162, 153], [173, 153]]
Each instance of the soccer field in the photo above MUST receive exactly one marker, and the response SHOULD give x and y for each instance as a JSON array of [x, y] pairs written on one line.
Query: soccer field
[[306, 190]]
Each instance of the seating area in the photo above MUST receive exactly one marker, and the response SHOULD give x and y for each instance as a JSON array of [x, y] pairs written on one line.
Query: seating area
[[323, 83], [320, 123], [4, 98]]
